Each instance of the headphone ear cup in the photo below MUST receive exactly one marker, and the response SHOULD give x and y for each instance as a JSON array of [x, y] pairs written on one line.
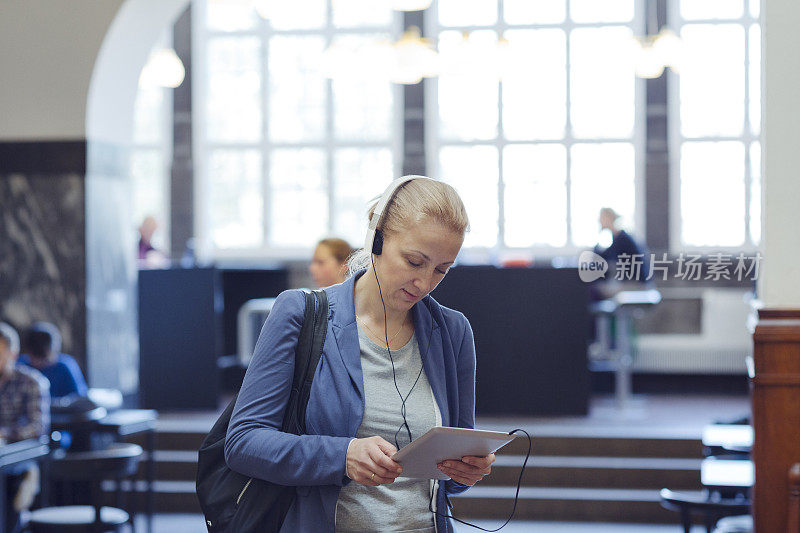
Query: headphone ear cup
[[377, 242]]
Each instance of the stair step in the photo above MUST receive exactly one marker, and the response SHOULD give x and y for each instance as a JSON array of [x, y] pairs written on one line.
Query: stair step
[[597, 472], [172, 465], [611, 446], [546, 503], [535, 503], [550, 445], [172, 440], [168, 497]]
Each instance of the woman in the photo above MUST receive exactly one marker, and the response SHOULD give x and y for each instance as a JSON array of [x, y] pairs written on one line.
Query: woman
[[395, 363], [329, 263]]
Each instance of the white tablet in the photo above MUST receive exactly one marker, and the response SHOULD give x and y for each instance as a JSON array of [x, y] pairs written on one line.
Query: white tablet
[[419, 459]]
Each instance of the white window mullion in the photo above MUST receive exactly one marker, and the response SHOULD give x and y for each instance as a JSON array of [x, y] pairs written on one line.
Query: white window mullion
[[265, 149], [568, 138]]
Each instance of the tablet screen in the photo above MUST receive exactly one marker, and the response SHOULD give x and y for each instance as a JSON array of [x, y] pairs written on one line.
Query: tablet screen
[[419, 459]]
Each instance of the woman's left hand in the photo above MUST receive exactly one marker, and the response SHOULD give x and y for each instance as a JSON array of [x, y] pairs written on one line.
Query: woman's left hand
[[469, 470]]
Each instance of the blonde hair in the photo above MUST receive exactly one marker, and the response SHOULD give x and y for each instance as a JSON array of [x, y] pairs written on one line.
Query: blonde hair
[[609, 212], [339, 248], [414, 201]]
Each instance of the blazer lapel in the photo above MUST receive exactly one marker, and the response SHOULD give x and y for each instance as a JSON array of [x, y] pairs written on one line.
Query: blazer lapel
[[345, 331], [429, 339]]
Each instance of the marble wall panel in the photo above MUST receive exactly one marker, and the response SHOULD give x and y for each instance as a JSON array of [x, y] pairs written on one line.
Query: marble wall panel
[[42, 241]]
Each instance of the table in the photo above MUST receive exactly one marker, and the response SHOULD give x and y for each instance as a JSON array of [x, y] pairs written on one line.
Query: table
[[728, 477], [124, 423], [13, 455], [732, 437]]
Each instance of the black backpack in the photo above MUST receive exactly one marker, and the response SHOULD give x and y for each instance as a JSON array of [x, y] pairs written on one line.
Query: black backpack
[[235, 503]]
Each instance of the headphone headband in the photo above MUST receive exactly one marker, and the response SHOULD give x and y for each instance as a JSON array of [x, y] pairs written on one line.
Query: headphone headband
[[377, 214]]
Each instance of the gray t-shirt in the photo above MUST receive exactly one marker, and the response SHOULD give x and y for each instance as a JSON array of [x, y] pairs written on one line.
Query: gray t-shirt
[[402, 505]]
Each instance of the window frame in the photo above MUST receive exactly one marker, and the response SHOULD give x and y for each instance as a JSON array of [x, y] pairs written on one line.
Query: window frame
[[675, 137], [201, 35], [637, 139]]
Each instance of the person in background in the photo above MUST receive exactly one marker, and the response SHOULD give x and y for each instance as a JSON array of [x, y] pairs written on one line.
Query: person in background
[[622, 242], [146, 230], [329, 264], [43, 352], [150, 256], [24, 414]]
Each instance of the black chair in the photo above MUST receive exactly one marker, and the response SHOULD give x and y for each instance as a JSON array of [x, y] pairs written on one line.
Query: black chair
[[118, 462], [710, 506]]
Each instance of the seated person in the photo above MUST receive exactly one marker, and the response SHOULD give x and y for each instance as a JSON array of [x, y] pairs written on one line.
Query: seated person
[[622, 244], [24, 414], [329, 264], [43, 352]]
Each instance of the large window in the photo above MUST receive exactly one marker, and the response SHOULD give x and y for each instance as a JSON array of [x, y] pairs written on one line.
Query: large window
[[543, 135], [288, 156], [716, 121], [151, 155]]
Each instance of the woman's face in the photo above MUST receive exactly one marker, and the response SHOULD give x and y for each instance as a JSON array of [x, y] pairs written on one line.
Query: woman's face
[[325, 268], [414, 261]]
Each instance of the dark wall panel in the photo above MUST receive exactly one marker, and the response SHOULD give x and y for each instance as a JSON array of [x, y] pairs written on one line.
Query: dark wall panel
[[531, 329]]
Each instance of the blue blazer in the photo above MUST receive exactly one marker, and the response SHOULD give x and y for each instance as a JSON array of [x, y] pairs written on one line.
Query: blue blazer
[[315, 463]]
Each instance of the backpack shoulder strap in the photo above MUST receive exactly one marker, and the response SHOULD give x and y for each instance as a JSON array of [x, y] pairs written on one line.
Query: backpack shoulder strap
[[307, 354], [317, 343]]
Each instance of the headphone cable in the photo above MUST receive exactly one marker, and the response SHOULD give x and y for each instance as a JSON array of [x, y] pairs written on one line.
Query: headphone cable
[[516, 496]]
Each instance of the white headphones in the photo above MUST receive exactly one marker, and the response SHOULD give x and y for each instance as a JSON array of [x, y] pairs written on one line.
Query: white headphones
[[374, 240]]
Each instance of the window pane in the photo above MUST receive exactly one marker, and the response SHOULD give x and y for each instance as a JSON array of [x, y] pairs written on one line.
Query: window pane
[[711, 9], [534, 11], [467, 12], [473, 171], [755, 8], [230, 15], [234, 205], [150, 115], [535, 92], [602, 82], [298, 203], [362, 105], [602, 175], [755, 192], [360, 176], [297, 14], [601, 10], [149, 176], [535, 194], [354, 13], [712, 80], [712, 193], [755, 79], [233, 105], [297, 89], [468, 102]]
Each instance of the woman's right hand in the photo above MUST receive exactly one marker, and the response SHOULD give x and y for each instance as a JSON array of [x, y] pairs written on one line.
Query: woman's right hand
[[369, 462]]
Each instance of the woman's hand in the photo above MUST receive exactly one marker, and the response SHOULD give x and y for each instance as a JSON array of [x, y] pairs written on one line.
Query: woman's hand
[[369, 462], [469, 470]]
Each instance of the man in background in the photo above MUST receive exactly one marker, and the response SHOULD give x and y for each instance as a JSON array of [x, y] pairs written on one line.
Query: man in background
[[24, 414], [43, 352]]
